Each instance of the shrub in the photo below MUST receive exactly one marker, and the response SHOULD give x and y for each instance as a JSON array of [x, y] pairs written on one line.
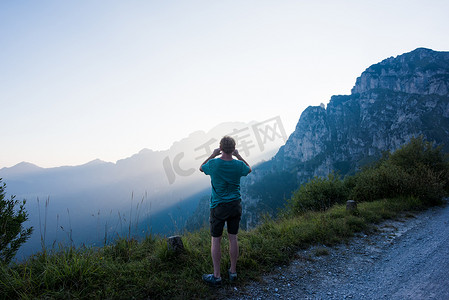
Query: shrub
[[417, 169], [12, 233], [380, 182], [427, 164], [420, 152], [319, 194]]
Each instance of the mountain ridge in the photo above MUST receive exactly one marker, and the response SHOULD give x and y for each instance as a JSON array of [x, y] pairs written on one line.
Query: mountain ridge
[[392, 101]]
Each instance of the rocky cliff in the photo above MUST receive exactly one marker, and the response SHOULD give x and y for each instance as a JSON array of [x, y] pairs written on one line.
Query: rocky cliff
[[391, 102]]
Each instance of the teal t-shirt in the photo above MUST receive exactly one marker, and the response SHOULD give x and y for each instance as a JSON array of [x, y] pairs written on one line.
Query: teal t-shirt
[[225, 179]]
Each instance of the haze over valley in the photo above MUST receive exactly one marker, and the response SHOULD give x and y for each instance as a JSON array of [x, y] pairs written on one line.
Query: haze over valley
[[151, 192]]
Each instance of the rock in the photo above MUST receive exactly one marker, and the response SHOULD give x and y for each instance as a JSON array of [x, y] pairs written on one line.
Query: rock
[[175, 244], [351, 205], [427, 67]]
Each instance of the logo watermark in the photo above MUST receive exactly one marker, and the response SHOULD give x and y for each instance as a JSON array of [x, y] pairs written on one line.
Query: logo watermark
[[248, 140]]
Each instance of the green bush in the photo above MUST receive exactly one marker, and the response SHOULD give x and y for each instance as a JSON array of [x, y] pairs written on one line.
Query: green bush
[[12, 233], [319, 194], [417, 169], [427, 165], [419, 152], [380, 182]]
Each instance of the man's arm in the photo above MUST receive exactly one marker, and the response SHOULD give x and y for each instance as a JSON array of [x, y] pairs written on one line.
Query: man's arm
[[213, 155], [239, 157]]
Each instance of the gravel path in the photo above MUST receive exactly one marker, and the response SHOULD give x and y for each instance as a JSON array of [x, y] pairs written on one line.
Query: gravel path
[[406, 258]]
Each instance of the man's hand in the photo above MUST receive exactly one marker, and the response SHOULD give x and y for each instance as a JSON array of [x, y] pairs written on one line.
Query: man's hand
[[216, 152], [235, 153]]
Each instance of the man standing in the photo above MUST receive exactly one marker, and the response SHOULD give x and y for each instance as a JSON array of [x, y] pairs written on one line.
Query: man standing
[[225, 206]]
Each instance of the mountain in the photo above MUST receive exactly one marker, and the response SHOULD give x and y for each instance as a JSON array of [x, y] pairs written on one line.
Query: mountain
[[392, 101], [151, 191], [21, 169]]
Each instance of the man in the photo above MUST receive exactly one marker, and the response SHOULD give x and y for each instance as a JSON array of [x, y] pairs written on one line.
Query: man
[[225, 173]]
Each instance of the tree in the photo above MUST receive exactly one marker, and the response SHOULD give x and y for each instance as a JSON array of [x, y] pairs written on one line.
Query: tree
[[12, 232]]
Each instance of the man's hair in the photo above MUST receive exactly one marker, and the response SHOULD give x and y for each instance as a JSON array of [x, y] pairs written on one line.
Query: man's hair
[[227, 144]]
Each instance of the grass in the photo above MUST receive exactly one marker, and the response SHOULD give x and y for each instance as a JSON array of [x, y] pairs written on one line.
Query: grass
[[131, 269]]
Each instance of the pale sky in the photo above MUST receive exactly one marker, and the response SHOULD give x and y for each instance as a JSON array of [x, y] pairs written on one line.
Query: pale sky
[[81, 80]]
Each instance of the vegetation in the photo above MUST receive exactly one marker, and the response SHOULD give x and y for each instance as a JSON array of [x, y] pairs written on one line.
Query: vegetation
[[417, 169], [319, 194], [12, 233], [148, 269]]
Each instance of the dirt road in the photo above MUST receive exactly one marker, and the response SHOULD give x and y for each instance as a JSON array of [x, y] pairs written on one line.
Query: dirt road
[[406, 259]]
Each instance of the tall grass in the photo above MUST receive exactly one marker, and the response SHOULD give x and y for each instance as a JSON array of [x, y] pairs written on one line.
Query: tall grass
[[43, 232]]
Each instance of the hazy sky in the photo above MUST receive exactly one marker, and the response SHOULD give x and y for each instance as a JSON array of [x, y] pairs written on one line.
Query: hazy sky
[[81, 80]]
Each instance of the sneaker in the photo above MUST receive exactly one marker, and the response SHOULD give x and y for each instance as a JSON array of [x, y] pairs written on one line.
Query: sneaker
[[232, 276], [211, 279]]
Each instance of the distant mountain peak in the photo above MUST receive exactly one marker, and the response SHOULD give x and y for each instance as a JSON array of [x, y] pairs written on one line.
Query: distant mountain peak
[[26, 165], [145, 150], [95, 162], [21, 168]]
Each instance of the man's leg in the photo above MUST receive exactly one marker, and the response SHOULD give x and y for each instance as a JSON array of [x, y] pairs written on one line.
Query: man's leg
[[233, 251], [215, 250]]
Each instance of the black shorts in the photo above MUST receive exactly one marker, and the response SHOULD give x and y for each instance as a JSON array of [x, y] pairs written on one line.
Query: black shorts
[[229, 212]]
